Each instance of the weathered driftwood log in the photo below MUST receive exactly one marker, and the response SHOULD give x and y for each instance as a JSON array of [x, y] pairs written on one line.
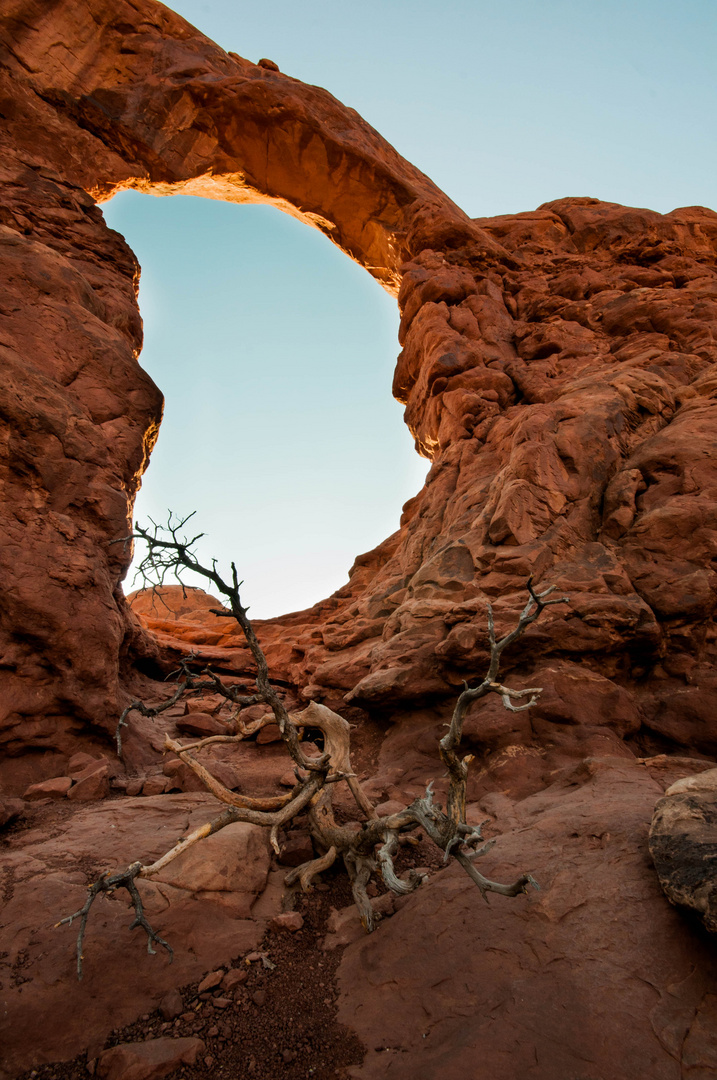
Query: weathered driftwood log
[[368, 849]]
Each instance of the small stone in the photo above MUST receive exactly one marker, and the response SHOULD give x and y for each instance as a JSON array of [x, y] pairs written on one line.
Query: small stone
[[213, 1032], [211, 980], [155, 785], [288, 920], [268, 65], [80, 761], [181, 777], [187, 1016], [171, 1005], [288, 1056], [92, 783], [57, 788], [252, 957], [222, 1002], [234, 978], [134, 787], [226, 774], [91, 789], [268, 734], [209, 1061], [259, 997]]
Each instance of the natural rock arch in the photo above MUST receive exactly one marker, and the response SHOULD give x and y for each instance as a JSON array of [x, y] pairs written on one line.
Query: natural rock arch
[[105, 97], [559, 368], [555, 365]]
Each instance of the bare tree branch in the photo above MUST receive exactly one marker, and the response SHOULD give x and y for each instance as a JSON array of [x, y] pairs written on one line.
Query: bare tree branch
[[366, 846]]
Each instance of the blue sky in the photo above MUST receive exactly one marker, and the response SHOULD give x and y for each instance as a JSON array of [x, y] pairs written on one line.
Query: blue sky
[[275, 352]]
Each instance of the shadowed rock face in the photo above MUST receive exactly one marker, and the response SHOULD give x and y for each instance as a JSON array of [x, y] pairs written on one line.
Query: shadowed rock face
[[557, 367]]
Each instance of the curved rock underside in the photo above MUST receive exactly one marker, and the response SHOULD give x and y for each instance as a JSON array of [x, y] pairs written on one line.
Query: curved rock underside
[[558, 367]]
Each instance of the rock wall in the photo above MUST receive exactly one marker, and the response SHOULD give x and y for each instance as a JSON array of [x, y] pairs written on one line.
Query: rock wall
[[558, 368]]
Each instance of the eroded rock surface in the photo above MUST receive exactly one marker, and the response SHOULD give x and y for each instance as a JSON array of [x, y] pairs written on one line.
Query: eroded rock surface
[[202, 905], [530, 987], [559, 369]]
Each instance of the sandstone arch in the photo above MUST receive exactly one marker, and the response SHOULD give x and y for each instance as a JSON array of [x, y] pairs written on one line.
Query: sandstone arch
[[556, 367]]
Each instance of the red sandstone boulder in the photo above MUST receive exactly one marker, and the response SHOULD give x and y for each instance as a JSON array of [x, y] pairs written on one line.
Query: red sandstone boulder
[[57, 788], [155, 785], [149, 1060], [50, 1016], [91, 783], [201, 725], [683, 845], [528, 985], [233, 863]]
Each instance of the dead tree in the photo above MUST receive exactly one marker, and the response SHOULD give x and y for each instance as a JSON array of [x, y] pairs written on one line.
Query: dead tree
[[364, 851]]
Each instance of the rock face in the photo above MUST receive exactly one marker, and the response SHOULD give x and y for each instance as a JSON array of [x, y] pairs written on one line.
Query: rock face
[[530, 988], [559, 368]]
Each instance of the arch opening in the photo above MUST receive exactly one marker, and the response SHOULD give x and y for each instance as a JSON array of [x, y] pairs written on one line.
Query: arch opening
[[275, 354]]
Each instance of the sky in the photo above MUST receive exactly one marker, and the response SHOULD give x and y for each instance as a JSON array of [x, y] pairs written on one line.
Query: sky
[[275, 351]]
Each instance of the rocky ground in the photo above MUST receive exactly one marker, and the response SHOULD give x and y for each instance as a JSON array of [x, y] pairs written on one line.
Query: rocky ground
[[269, 1013], [528, 984]]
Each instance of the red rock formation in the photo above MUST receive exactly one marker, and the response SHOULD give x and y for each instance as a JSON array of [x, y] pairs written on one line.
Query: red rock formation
[[558, 368]]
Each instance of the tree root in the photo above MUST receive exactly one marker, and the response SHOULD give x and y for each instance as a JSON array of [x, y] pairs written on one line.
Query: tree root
[[306, 873]]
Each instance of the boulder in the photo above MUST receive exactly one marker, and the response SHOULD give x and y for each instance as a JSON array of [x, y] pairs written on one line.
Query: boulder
[[91, 783], [57, 788], [201, 724], [149, 1060], [683, 845]]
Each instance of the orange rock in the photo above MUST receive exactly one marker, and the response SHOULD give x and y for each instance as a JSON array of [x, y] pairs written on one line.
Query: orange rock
[[201, 724], [91, 784], [56, 788], [149, 1060], [288, 920]]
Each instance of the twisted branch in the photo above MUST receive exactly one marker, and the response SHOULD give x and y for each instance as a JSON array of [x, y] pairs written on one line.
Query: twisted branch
[[365, 847]]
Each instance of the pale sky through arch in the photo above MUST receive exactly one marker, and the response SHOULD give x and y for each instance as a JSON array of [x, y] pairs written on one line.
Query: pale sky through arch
[[276, 352]]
